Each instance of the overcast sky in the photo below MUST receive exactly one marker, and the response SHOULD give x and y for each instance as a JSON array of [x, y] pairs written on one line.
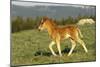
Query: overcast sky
[[24, 3], [29, 3]]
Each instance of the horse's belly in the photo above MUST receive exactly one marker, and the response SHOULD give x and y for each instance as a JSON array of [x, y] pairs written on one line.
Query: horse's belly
[[65, 36]]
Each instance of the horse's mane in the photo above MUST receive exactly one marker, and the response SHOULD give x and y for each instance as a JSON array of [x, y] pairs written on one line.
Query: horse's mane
[[52, 22]]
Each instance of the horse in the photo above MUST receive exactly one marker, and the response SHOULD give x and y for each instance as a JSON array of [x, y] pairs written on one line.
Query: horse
[[58, 34]]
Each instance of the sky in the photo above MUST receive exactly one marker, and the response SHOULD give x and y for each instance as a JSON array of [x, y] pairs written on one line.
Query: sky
[[29, 3]]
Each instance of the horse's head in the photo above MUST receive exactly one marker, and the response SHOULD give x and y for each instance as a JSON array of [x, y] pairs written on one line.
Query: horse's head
[[43, 23]]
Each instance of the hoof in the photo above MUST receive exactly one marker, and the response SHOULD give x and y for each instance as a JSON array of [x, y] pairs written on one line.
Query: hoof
[[68, 54], [61, 55], [54, 54]]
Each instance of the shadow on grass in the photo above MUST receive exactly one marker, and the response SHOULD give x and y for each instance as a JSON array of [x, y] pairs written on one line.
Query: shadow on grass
[[42, 53], [46, 53]]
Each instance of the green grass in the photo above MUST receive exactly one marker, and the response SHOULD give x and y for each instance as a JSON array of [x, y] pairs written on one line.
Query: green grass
[[31, 47]]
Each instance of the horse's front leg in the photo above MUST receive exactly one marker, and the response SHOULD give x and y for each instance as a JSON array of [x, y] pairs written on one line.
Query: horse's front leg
[[50, 47], [58, 46]]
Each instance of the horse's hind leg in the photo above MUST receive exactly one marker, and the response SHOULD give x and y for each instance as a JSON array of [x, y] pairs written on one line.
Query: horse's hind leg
[[73, 46], [82, 43]]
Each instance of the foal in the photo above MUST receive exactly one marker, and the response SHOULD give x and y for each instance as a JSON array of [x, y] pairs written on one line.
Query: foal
[[60, 33]]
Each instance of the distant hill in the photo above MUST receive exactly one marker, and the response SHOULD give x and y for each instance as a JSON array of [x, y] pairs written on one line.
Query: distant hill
[[51, 11]]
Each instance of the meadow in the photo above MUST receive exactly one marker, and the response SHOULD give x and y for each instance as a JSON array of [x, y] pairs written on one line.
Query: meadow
[[30, 47]]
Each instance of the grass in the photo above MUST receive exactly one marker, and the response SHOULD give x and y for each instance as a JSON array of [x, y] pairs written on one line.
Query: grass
[[31, 47]]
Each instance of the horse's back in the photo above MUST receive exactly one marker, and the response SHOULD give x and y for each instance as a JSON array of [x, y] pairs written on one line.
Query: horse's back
[[67, 30]]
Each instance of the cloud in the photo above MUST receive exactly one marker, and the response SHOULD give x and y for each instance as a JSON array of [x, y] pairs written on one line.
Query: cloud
[[24, 3], [28, 4], [19, 3]]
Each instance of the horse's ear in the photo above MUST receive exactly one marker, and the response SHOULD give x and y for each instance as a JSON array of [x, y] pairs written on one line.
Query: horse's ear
[[45, 18]]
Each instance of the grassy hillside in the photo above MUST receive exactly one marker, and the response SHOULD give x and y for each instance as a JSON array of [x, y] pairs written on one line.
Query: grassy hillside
[[31, 47]]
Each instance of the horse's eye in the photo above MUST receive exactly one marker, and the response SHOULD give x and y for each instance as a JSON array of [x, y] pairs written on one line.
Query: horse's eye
[[41, 23]]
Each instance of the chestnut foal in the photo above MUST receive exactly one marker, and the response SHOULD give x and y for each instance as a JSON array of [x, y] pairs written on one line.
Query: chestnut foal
[[60, 33]]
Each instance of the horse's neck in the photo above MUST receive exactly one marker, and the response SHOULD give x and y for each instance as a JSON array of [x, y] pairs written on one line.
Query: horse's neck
[[51, 30]]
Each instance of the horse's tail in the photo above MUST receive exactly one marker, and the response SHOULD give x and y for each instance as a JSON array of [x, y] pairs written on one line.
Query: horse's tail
[[79, 32]]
